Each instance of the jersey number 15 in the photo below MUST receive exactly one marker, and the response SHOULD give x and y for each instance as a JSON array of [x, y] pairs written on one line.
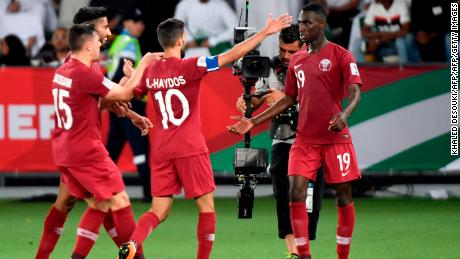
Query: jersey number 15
[[59, 104]]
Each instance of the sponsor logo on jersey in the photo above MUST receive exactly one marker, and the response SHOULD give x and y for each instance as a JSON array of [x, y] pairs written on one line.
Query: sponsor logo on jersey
[[325, 65], [165, 83], [201, 62], [354, 69], [345, 173]]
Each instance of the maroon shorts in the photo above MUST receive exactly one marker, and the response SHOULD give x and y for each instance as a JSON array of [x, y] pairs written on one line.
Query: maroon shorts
[[338, 161], [193, 173], [101, 180]]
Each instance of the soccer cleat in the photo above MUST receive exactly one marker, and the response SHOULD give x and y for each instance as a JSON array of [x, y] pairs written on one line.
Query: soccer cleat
[[127, 250], [291, 256]]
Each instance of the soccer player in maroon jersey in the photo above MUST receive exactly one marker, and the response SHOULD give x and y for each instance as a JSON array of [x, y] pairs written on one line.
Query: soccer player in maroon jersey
[[54, 221], [320, 76], [78, 150], [180, 157]]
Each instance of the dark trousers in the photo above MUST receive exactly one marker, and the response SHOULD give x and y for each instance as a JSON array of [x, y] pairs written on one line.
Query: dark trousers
[[122, 130], [280, 180]]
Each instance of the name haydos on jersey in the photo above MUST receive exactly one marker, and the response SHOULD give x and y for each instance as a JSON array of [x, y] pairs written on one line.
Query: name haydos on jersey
[[165, 83]]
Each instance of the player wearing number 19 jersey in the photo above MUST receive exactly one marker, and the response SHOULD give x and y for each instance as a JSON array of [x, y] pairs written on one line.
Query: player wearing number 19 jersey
[[319, 76], [180, 157]]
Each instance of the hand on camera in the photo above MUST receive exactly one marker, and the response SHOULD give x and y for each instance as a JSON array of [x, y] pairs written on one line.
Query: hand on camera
[[273, 95]]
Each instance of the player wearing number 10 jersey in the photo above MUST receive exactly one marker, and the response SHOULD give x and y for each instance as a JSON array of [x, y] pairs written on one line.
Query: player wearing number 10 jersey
[[180, 157]]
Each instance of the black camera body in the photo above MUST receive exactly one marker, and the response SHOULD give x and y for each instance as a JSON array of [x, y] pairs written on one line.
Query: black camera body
[[248, 162], [252, 65]]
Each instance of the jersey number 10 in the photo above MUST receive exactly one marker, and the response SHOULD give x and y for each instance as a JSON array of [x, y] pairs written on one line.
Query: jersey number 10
[[166, 108]]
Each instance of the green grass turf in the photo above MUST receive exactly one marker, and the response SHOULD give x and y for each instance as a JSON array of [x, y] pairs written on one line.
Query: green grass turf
[[386, 228]]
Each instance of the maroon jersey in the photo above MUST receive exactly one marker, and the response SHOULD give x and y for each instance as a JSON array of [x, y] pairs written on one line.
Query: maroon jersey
[[174, 87], [320, 81], [77, 139]]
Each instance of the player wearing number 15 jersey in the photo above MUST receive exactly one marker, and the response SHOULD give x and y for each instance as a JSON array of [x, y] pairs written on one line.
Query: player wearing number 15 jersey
[[78, 151], [319, 76], [180, 157]]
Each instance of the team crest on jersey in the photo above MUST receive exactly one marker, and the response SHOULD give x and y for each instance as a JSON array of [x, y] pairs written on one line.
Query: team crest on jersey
[[325, 65]]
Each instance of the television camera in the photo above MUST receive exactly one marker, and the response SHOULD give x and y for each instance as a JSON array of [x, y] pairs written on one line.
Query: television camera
[[249, 163]]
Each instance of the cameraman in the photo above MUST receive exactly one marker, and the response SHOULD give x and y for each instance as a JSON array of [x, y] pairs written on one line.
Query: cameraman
[[283, 131]]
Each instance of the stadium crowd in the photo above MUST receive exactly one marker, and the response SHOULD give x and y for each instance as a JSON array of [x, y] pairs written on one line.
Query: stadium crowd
[[392, 31]]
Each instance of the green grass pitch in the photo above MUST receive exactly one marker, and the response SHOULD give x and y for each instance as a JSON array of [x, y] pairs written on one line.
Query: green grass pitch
[[396, 228]]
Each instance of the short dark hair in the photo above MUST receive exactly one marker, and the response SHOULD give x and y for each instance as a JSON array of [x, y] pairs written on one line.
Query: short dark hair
[[89, 13], [316, 8], [290, 34], [168, 31], [78, 34]]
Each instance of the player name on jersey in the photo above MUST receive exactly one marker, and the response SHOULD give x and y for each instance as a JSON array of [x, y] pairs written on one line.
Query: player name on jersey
[[164, 83], [62, 80]]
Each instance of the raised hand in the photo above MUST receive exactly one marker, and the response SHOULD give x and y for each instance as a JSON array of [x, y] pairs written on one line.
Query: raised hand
[[128, 69], [275, 25], [244, 125]]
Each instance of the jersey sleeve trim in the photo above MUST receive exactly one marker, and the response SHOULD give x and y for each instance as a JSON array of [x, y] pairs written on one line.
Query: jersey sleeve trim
[[107, 83]]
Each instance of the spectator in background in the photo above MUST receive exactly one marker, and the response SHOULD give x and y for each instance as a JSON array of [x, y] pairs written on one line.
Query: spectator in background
[[126, 47], [340, 15], [28, 19], [13, 52], [430, 20], [48, 15], [385, 30], [55, 56], [356, 43], [209, 26]]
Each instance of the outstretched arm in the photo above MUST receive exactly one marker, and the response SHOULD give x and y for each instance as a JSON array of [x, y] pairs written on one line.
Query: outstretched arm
[[272, 26], [244, 125], [125, 92]]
